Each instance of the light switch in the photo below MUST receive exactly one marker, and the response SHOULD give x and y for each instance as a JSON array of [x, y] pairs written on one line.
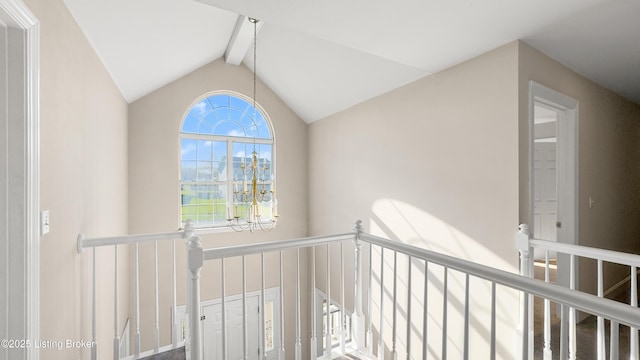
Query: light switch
[[44, 222]]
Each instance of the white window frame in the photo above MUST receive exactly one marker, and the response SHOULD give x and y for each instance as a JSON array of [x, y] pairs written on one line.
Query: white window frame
[[230, 140]]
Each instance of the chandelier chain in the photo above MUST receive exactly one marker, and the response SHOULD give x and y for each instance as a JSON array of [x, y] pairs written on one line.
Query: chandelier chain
[[253, 191]]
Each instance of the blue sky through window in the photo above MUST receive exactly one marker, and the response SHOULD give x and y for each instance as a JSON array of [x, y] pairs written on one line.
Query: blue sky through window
[[226, 115]]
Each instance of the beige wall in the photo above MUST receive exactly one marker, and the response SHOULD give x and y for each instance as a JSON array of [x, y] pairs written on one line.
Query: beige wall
[[609, 159], [83, 184], [437, 163], [433, 164], [154, 152]]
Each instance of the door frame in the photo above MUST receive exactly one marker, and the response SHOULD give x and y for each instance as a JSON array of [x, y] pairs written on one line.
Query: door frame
[[20, 176], [270, 294], [567, 162], [567, 154]]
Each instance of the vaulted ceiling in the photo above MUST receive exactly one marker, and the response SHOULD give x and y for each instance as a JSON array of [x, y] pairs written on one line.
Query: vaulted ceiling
[[321, 57]]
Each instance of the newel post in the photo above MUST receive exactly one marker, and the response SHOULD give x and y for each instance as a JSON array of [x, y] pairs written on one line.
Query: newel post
[[525, 329], [358, 330], [195, 258]]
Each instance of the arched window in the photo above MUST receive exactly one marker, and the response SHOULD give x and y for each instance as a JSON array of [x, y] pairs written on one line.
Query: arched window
[[218, 136]]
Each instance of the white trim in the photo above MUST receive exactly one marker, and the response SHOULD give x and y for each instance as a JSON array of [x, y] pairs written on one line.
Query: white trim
[[336, 350], [230, 140], [568, 154], [270, 294], [241, 40], [23, 189], [540, 94]]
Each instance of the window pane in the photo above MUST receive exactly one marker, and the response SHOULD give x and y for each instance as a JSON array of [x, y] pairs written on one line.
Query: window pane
[[188, 171], [217, 101], [220, 170], [238, 103], [212, 119], [205, 171], [205, 150], [190, 124], [240, 157], [223, 114], [207, 116], [204, 204], [263, 129], [220, 150], [205, 128], [228, 128], [188, 149], [199, 109], [205, 213], [205, 162], [244, 119]]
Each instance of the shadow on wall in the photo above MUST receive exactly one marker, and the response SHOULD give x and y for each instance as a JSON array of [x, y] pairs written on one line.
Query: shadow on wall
[[445, 304]]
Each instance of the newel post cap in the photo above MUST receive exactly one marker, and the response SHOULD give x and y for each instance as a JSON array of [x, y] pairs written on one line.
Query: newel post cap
[[522, 238]]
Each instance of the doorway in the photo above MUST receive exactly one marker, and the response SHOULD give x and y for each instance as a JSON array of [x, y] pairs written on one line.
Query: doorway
[[545, 179], [553, 119], [19, 176], [553, 125], [212, 329]]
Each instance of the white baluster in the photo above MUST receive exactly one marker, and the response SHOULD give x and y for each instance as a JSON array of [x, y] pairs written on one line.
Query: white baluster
[[328, 341], [174, 325], [564, 309], [572, 312], [156, 327], [547, 353], [425, 314], [136, 337], [94, 348], [195, 261], [633, 336], [409, 309], [314, 306], [369, 336], [262, 306], [493, 322], [614, 343], [188, 233], [358, 326], [382, 322], [245, 346], [281, 352], [342, 306], [445, 296], [394, 350], [116, 339], [224, 310], [601, 350], [298, 326], [526, 264], [466, 318]]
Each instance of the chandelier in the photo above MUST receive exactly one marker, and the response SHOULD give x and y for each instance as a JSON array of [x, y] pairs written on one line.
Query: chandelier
[[254, 189]]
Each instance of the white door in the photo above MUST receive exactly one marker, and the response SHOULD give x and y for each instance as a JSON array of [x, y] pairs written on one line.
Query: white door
[[545, 197], [554, 117], [212, 330], [545, 182]]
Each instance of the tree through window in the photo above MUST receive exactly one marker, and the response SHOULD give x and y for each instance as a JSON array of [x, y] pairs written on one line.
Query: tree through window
[[217, 138]]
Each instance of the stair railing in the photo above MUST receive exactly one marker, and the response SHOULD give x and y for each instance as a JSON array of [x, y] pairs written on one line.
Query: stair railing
[[525, 243], [363, 327], [135, 240]]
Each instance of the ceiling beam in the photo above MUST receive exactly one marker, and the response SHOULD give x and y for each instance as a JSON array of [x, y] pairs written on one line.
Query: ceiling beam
[[241, 40]]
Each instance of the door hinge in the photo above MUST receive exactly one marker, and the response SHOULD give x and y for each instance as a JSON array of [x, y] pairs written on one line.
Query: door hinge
[[203, 317], [558, 224]]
